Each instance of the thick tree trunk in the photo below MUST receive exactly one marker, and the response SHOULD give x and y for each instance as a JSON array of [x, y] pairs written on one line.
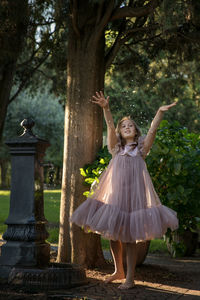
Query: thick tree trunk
[[83, 138]]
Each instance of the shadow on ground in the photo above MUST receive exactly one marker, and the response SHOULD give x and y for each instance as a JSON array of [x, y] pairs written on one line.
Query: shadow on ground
[[160, 277]]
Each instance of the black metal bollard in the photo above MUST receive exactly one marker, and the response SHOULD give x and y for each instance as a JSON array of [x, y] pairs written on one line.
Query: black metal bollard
[[26, 232], [25, 256]]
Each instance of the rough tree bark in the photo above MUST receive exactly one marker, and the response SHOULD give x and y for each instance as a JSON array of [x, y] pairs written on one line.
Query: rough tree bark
[[83, 137]]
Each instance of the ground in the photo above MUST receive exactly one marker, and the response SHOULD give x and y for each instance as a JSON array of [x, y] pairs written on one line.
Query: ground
[[160, 277]]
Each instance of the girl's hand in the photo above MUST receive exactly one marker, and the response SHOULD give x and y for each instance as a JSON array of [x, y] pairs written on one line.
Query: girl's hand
[[166, 107], [101, 100]]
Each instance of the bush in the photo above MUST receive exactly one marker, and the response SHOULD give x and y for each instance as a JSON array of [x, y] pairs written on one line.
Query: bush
[[91, 172], [174, 166]]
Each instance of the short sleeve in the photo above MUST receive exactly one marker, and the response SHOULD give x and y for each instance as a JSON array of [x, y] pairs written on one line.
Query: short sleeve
[[141, 146]]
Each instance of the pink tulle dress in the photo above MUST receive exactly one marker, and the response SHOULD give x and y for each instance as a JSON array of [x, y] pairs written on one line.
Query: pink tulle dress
[[124, 206]]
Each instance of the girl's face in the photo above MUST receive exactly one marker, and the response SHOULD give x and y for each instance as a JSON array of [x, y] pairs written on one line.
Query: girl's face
[[127, 130]]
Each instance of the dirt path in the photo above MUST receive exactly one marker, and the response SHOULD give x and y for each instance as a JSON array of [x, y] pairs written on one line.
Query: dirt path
[[160, 277]]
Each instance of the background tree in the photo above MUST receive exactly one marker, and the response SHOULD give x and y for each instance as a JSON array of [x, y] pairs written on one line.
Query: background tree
[[148, 23], [28, 37], [48, 116], [163, 82], [13, 29]]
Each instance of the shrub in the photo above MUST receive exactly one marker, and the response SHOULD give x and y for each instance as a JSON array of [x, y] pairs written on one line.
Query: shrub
[[174, 166]]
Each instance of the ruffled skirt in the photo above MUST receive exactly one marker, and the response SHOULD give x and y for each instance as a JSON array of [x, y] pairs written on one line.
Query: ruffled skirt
[[124, 206]]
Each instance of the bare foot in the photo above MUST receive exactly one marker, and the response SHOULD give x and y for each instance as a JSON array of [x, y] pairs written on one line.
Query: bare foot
[[115, 276], [126, 285]]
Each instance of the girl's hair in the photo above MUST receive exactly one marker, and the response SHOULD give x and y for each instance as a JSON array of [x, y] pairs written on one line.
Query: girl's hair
[[138, 132]]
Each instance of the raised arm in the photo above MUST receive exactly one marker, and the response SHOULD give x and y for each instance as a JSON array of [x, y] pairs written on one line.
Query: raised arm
[[148, 142], [104, 103]]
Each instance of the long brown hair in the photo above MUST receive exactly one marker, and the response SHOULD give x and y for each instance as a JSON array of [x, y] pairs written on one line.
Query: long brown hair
[[138, 132]]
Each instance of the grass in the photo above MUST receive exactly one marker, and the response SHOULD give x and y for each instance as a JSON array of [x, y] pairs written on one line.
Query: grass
[[4, 209], [156, 246], [52, 211]]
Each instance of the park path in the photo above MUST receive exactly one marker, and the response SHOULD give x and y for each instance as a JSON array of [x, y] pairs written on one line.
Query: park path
[[160, 277]]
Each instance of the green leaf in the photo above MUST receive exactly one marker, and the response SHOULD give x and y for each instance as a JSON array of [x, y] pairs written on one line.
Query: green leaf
[[86, 193], [102, 161], [83, 172], [165, 150], [180, 189], [89, 180], [177, 168], [95, 172]]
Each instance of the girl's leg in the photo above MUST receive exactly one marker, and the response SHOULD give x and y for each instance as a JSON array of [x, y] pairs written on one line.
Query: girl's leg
[[116, 250], [131, 258]]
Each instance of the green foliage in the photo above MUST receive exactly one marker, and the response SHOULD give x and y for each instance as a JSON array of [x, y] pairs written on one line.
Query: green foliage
[[48, 116], [176, 249], [158, 246], [174, 166], [138, 90], [105, 244], [91, 172]]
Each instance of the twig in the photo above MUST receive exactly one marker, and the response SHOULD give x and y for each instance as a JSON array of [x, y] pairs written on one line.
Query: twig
[[126, 11], [27, 78], [105, 19]]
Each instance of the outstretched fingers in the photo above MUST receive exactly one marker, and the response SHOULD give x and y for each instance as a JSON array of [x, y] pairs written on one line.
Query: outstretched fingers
[[170, 105], [98, 96], [166, 107], [100, 99]]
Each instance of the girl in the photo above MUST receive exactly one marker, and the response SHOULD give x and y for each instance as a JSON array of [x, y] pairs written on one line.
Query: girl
[[124, 207]]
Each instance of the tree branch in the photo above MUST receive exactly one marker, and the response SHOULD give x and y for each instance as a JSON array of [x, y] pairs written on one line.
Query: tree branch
[[105, 19], [45, 75], [113, 51], [126, 11], [99, 12], [49, 22], [192, 37], [27, 78], [120, 41], [73, 4], [34, 53], [144, 40], [140, 29], [30, 59]]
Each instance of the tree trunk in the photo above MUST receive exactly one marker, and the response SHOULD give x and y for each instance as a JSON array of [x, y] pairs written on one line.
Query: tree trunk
[[13, 25], [6, 79], [58, 176], [83, 138], [4, 168]]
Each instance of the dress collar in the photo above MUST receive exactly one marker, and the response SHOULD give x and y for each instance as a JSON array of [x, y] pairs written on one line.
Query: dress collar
[[131, 144]]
